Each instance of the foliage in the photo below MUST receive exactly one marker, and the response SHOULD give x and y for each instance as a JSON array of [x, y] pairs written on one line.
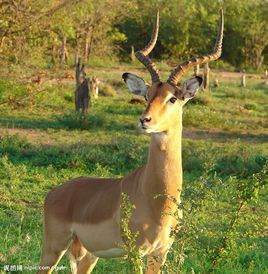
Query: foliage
[[214, 237], [103, 28], [224, 152], [107, 90], [129, 238], [251, 43], [202, 99]]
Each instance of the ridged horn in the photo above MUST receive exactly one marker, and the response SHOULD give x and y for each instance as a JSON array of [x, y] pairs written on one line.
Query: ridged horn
[[142, 55], [181, 69]]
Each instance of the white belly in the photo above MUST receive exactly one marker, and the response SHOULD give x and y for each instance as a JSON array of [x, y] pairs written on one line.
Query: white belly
[[102, 239], [109, 253]]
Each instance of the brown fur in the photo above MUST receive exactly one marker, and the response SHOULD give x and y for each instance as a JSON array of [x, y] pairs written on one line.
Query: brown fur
[[86, 211], [101, 196]]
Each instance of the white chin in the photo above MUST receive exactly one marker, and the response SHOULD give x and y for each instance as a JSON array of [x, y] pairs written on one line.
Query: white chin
[[148, 130]]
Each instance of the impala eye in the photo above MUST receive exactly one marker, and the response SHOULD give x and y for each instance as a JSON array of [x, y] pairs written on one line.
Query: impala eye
[[172, 100]]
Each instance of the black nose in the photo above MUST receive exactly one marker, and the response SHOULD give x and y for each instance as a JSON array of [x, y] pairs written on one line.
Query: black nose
[[145, 120]]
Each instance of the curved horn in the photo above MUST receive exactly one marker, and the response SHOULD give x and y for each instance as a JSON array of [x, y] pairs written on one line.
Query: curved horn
[[142, 55], [181, 69]]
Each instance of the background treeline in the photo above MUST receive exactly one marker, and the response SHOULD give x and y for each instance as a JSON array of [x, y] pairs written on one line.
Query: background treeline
[[51, 32]]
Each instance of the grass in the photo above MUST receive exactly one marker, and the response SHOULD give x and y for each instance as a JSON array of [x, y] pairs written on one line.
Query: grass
[[43, 143]]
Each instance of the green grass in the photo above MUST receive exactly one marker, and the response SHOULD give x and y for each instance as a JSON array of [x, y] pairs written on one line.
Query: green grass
[[43, 143]]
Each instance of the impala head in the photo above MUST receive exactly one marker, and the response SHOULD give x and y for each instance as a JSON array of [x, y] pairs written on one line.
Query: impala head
[[80, 72], [95, 81], [166, 99]]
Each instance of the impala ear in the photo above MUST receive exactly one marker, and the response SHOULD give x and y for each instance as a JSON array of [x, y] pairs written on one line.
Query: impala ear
[[135, 84], [191, 86]]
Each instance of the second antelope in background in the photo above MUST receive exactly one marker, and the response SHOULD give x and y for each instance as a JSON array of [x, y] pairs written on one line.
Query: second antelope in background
[[82, 97], [84, 214], [94, 86]]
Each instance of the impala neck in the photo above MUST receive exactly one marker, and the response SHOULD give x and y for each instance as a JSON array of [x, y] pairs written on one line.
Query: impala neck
[[163, 172]]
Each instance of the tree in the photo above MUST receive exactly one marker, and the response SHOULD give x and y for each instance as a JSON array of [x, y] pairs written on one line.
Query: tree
[[44, 32], [246, 32]]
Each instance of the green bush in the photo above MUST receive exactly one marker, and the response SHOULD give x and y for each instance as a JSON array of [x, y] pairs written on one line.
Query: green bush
[[68, 97], [11, 90], [252, 106], [203, 98], [222, 65], [241, 164], [107, 90]]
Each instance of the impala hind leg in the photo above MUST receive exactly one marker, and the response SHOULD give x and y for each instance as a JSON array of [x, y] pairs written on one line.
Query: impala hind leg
[[81, 260], [55, 243]]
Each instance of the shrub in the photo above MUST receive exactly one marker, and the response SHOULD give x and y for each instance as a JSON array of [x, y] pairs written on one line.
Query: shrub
[[68, 97], [12, 144], [240, 164], [220, 64], [214, 212], [103, 62], [251, 106], [202, 99], [12, 91], [107, 90], [117, 83]]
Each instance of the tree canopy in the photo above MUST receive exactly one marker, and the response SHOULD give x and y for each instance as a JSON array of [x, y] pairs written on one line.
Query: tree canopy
[[51, 31]]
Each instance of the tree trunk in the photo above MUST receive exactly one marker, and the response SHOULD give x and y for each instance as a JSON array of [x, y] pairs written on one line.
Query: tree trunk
[[196, 70], [87, 45], [86, 49], [132, 56], [90, 40], [243, 79], [266, 77], [2, 40], [76, 61], [206, 77], [260, 62], [63, 50], [53, 53], [77, 72]]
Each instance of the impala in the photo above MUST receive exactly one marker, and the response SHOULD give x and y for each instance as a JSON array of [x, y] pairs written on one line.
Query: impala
[[83, 215], [94, 85]]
